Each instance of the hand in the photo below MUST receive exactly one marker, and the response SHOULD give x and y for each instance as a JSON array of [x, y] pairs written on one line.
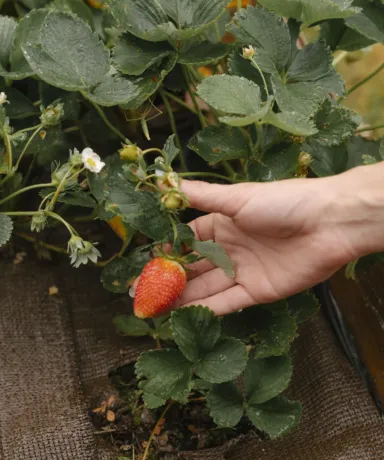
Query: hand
[[283, 237]]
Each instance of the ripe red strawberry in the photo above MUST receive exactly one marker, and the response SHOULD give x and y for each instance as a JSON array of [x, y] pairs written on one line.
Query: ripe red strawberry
[[161, 283]]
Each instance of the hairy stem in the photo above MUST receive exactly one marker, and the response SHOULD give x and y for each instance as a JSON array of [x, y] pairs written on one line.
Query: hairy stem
[[27, 145], [364, 80], [207, 174], [174, 128], [23, 190], [372, 128]]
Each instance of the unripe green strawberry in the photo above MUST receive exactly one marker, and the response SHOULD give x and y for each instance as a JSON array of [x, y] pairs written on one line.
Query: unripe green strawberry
[[161, 282], [130, 152]]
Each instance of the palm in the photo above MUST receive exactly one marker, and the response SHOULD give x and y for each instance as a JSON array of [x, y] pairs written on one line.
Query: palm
[[275, 250]]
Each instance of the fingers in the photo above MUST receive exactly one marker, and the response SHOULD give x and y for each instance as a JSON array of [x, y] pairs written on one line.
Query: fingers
[[229, 301], [206, 285], [198, 268], [223, 199]]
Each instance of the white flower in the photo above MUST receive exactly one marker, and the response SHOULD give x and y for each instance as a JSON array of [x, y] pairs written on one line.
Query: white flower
[[3, 99], [81, 251], [92, 161], [249, 52]]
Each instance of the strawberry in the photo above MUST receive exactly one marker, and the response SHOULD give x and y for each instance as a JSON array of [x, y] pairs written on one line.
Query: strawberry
[[161, 283]]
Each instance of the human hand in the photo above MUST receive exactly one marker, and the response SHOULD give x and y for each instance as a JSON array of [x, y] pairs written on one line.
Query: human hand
[[283, 237]]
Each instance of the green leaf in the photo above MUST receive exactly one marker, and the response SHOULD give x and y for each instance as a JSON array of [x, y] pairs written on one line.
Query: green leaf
[[203, 53], [28, 29], [132, 55], [303, 306], [218, 143], [168, 374], [119, 273], [170, 149], [241, 67], [303, 98], [369, 22], [266, 378], [20, 106], [335, 124], [225, 362], [140, 209], [332, 83], [312, 11], [67, 54], [132, 326], [151, 401], [130, 92], [215, 253], [292, 122], [270, 328], [196, 330], [231, 94], [275, 417], [78, 198], [6, 228], [311, 63], [277, 164], [268, 34], [77, 7], [250, 119], [163, 328], [7, 32], [159, 20], [327, 161], [225, 403]]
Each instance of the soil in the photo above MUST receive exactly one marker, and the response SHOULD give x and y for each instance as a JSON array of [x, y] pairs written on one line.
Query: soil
[[129, 424]]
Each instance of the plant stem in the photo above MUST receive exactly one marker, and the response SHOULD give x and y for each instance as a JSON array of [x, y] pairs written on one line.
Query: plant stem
[[155, 428], [174, 228], [19, 213], [71, 129], [23, 190], [239, 5], [59, 189], [362, 130], [363, 81], [100, 111], [27, 145], [179, 101], [229, 169], [339, 58], [154, 150], [193, 97], [174, 128], [206, 174], [51, 247], [25, 130], [256, 65], [8, 148], [260, 136], [55, 216]]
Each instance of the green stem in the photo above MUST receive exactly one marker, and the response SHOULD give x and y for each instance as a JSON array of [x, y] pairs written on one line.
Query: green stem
[[260, 136], [217, 31], [207, 174], [362, 130], [6, 178], [20, 213], [174, 128], [174, 228], [256, 65], [71, 129], [51, 247], [100, 111], [179, 101], [239, 5], [229, 169], [27, 145], [23, 190], [55, 216], [8, 148], [362, 82], [193, 97], [25, 130], [154, 150], [59, 189]]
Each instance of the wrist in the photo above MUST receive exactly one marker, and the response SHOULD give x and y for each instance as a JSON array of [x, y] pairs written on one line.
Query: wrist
[[356, 208]]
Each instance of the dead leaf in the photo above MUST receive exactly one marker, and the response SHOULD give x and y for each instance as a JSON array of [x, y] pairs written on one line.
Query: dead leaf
[[19, 258], [53, 290], [111, 416]]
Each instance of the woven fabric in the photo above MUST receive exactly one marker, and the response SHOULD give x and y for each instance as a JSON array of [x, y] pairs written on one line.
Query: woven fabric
[[56, 353]]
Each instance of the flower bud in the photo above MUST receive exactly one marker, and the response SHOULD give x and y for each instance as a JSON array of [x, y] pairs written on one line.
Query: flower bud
[[52, 115], [39, 221], [3, 99], [305, 159], [249, 52]]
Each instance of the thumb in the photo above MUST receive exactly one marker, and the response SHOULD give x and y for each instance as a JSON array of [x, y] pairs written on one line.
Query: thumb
[[223, 199]]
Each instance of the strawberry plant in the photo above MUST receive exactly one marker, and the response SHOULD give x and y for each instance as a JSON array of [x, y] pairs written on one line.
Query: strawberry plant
[[243, 97]]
